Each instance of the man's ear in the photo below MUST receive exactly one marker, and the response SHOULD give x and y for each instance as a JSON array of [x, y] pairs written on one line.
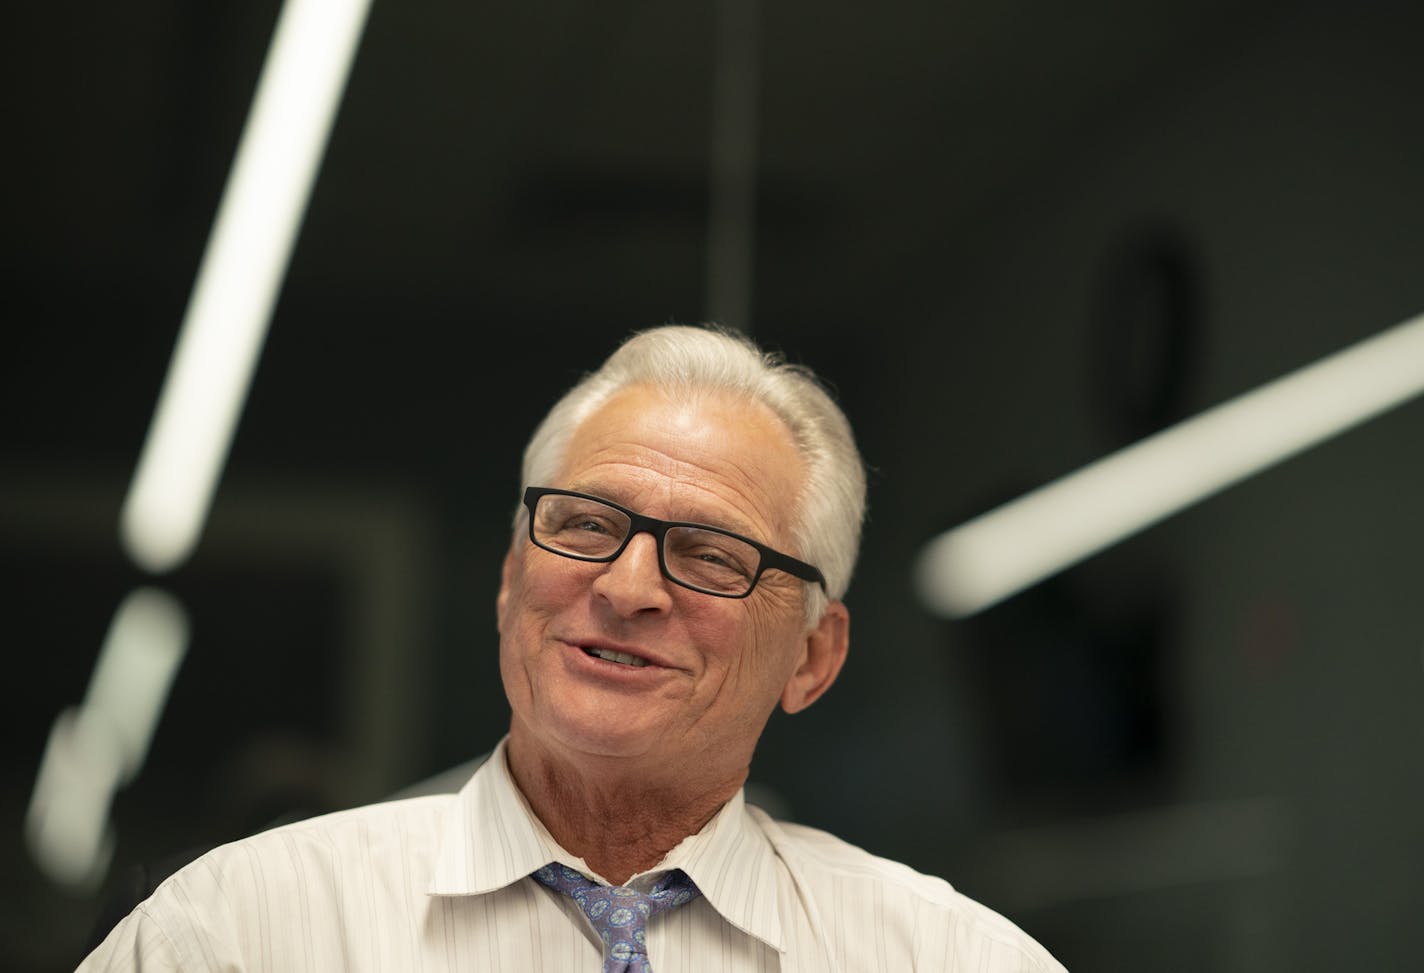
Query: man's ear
[[823, 652]]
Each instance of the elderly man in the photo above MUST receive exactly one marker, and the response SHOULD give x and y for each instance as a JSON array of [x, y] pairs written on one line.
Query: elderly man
[[690, 518]]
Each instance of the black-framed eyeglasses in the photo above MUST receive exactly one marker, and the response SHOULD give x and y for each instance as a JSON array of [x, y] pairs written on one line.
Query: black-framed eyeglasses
[[706, 559]]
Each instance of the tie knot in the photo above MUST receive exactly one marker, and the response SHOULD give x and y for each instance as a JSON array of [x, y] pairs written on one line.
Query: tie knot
[[619, 914]]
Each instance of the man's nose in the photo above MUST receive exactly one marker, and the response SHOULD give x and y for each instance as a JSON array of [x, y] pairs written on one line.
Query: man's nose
[[633, 582]]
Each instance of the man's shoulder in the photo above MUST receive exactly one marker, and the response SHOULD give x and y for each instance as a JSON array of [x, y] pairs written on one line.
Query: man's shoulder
[[821, 851], [923, 908], [391, 830], [290, 886], [316, 861]]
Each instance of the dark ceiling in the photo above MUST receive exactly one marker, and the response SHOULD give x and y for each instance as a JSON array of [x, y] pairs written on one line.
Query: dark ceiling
[[505, 176], [525, 155]]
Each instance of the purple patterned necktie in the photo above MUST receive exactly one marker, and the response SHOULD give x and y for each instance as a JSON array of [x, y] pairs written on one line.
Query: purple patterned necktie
[[620, 914]]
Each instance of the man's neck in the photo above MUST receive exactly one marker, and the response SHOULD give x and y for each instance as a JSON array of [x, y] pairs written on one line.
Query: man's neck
[[618, 820]]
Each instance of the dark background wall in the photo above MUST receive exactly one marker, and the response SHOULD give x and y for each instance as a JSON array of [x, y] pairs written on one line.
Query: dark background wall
[[1014, 237]]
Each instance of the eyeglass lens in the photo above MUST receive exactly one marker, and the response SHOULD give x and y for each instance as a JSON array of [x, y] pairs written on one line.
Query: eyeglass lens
[[585, 528]]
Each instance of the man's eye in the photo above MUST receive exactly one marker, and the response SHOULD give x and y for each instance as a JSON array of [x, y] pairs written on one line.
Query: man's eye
[[588, 526], [722, 560]]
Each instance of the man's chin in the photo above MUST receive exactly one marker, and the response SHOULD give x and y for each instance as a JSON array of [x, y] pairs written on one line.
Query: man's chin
[[602, 736], [630, 743]]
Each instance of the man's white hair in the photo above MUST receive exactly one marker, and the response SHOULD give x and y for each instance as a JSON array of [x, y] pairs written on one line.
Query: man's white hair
[[681, 361]]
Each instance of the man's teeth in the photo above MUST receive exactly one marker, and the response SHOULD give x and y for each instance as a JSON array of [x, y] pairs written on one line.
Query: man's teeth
[[622, 657]]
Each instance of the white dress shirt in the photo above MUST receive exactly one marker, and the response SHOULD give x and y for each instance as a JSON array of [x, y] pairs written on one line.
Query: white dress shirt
[[442, 883]]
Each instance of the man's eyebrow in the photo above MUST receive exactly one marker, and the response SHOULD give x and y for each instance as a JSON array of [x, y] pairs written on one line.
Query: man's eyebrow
[[732, 524], [729, 523]]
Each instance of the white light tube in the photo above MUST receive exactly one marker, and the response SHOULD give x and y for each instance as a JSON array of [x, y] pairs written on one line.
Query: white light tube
[[1007, 549], [98, 747], [67, 825], [129, 687], [238, 280]]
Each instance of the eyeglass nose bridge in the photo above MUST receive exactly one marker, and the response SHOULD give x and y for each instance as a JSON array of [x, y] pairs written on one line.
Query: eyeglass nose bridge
[[657, 529]]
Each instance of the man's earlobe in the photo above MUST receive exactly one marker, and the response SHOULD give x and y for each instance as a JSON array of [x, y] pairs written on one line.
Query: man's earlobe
[[823, 653]]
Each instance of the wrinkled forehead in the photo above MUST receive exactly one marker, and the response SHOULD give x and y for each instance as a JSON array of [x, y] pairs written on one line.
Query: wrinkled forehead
[[710, 456]]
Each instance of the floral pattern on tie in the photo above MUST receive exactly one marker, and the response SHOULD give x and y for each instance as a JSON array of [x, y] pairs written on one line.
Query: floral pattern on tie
[[620, 914]]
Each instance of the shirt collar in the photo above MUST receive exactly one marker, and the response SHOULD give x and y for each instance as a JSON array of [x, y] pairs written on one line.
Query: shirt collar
[[492, 839], [734, 865]]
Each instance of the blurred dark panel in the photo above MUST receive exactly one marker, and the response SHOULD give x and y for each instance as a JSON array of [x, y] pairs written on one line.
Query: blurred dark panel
[[1146, 334]]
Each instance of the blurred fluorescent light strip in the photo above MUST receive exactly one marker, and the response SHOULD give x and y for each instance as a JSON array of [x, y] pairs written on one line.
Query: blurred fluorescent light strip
[[1000, 553], [141, 654], [241, 273], [99, 746]]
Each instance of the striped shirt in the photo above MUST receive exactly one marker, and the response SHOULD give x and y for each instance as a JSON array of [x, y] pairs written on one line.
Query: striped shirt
[[442, 883]]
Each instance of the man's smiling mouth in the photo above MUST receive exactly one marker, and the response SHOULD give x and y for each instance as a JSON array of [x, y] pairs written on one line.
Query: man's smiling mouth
[[621, 658]]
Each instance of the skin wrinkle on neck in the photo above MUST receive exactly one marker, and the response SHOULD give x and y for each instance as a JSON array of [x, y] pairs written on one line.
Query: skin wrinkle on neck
[[589, 818]]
